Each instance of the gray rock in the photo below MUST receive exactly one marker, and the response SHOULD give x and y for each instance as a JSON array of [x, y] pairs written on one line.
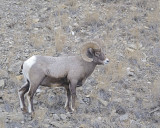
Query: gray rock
[[63, 116], [2, 84], [123, 117], [130, 72], [104, 95], [120, 110], [8, 107], [56, 117], [3, 74], [1, 100], [15, 68]]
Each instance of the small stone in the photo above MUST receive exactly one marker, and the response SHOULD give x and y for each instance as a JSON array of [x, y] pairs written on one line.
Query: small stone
[[133, 8], [3, 73], [130, 72], [15, 68], [63, 117], [99, 118], [7, 120], [19, 77], [124, 117], [73, 33], [120, 110], [46, 125], [56, 117], [29, 126], [130, 50], [2, 84], [22, 122], [152, 9], [35, 102], [35, 20], [1, 100]]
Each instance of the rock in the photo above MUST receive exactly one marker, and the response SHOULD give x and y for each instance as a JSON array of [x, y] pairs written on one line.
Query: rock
[[130, 72], [15, 68], [3, 74], [19, 77], [56, 117], [2, 84], [135, 124], [124, 117], [55, 124], [1, 100], [120, 110], [46, 125], [105, 103], [8, 107], [63, 116], [30, 126], [22, 122], [35, 20], [104, 95]]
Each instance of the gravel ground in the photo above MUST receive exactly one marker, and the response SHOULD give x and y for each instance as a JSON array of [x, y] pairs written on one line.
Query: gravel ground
[[123, 94]]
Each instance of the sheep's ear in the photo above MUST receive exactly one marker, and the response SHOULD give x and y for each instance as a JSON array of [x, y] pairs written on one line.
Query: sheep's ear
[[90, 52]]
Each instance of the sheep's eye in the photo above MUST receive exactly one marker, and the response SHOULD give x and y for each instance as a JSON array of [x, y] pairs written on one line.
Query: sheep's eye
[[97, 54]]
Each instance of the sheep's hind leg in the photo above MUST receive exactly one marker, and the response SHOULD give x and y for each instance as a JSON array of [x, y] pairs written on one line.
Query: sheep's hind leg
[[21, 93], [31, 92], [68, 99], [30, 95]]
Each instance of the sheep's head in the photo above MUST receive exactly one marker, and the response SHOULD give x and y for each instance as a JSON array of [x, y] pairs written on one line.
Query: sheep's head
[[91, 52]]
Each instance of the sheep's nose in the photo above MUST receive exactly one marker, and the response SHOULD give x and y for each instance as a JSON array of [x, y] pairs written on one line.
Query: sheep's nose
[[106, 61]]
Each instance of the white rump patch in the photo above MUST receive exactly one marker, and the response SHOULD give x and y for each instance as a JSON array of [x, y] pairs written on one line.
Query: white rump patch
[[31, 61], [27, 65]]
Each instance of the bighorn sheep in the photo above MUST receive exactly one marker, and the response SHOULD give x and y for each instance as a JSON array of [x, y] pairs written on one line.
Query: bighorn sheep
[[67, 71]]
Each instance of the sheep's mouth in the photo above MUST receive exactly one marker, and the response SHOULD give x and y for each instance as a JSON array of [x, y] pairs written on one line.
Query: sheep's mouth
[[106, 61]]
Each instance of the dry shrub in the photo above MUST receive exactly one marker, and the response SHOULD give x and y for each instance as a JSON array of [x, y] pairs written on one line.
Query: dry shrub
[[139, 55], [37, 39], [153, 17], [28, 23], [156, 89], [91, 18], [65, 19], [71, 3], [60, 39], [135, 32]]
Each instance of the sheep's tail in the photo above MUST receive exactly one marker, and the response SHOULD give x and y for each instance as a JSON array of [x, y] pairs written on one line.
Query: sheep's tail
[[20, 71]]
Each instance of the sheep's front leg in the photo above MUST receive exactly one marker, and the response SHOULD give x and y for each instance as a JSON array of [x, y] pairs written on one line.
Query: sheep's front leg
[[73, 94]]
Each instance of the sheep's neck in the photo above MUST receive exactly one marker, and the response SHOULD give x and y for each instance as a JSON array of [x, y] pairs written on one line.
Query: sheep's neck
[[90, 69]]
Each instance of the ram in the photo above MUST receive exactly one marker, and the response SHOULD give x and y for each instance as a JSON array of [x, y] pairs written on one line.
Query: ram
[[67, 71]]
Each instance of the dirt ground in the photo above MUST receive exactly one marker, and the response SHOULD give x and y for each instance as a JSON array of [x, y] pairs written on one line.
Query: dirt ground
[[123, 94]]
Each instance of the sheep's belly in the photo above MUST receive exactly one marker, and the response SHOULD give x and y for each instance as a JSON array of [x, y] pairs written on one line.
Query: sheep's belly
[[53, 82]]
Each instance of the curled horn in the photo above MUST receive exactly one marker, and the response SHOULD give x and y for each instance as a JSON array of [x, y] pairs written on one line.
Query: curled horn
[[84, 50]]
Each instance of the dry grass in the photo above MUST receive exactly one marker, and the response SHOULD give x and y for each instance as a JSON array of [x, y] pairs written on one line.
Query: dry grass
[[156, 89], [60, 39], [153, 16], [37, 39], [91, 18]]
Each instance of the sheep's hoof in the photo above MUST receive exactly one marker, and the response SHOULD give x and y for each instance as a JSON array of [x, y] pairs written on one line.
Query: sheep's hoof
[[71, 110], [32, 115], [24, 110]]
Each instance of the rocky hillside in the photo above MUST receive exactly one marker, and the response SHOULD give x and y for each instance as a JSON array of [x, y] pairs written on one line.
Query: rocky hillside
[[123, 94]]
